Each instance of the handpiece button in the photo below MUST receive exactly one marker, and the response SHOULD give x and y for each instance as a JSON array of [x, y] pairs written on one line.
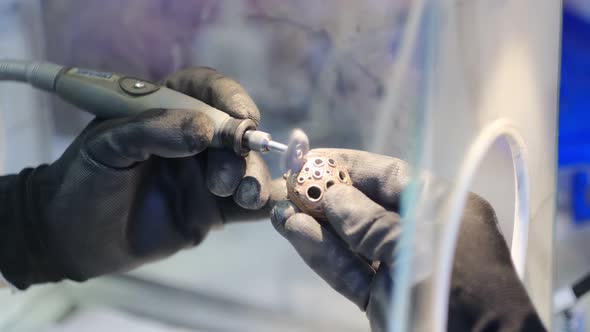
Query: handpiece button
[[137, 87]]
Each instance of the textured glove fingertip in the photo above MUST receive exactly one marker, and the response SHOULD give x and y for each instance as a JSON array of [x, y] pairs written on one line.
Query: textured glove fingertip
[[337, 194], [224, 172], [251, 194], [217, 90], [197, 132], [282, 211], [278, 191], [241, 103], [253, 191]]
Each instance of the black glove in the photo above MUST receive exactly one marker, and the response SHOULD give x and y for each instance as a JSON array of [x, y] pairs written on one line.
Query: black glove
[[363, 223], [130, 190]]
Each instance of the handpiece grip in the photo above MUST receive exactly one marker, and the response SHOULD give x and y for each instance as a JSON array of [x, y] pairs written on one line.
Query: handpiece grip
[[109, 95]]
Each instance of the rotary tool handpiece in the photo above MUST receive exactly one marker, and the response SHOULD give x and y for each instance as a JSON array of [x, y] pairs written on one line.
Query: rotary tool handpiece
[[110, 95]]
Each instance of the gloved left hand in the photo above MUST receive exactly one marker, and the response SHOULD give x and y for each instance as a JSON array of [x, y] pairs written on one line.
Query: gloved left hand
[[363, 224], [130, 190]]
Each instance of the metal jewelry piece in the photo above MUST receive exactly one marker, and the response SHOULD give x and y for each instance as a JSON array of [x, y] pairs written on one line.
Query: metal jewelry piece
[[307, 187]]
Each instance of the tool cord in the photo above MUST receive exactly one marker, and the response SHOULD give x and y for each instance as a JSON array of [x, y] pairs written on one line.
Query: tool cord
[[41, 75]]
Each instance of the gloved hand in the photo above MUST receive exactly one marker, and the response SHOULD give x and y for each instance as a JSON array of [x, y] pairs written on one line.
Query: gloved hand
[[363, 224], [130, 190]]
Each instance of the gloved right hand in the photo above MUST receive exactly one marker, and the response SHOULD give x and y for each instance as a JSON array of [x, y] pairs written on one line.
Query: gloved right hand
[[363, 223], [131, 190]]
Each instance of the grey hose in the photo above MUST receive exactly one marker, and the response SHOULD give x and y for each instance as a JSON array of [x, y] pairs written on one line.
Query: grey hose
[[39, 74]]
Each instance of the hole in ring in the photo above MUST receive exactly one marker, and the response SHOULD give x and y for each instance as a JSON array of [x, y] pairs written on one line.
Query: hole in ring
[[342, 175], [307, 169], [331, 162], [314, 193], [301, 179], [318, 162]]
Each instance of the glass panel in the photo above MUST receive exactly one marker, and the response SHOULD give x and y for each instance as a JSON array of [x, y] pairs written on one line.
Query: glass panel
[[493, 99]]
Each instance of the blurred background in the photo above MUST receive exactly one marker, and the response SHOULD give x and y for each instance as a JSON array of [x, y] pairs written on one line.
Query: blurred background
[[323, 67]]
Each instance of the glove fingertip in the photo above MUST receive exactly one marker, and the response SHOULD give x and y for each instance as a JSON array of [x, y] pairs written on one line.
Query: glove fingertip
[[240, 103], [217, 90], [278, 191], [251, 194], [197, 130], [224, 172], [219, 187], [337, 194], [282, 211]]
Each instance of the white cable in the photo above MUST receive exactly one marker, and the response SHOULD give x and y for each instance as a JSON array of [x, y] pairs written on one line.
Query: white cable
[[456, 203]]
